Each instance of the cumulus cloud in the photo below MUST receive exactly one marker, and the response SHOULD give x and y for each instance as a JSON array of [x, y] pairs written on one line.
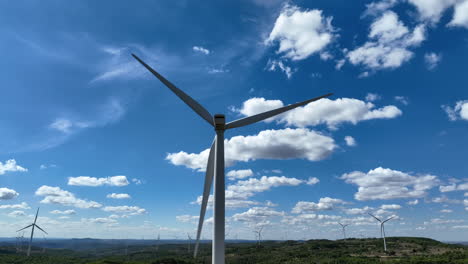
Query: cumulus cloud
[[274, 65], [55, 195], [432, 60], [256, 215], [385, 184], [118, 196], [460, 17], [17, 214], [268, 144], [239, 174], [459, 111], [187, 218], [325, 111], [119, 181], [64, 212], [312, 181], [431, 10], [358, 211], [350, 141], [8, 194], [454, 187], [414, 202], [376, 8], [389, 44], [301, 33], [10, 166], [22, 205], [324, 204], [201, 50], [371, 97], [390, 206], [125, 209]]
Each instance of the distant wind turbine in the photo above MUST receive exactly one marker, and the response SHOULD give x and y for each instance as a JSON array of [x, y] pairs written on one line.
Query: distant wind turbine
[[215, 166], [33, 225], [343, 226], [382, 229]]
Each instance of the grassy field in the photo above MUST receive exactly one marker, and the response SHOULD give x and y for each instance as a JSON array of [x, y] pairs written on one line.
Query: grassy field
[[400, 250]]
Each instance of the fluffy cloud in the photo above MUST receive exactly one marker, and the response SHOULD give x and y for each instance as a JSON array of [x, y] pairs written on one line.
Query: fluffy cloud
[[324, 204], [7, 194], [119, 180], [389, 44], [384, 184], [415, 202], [268, 144], [454, 187], [274, 65], [55, 195], [301, 33], [118, 196], [65, 212], [22, 205], [431, 10], [201, 50], [460, 17], [256, 214], [357, 211], [459, 111], [390, 206], [239, 174], [371, 97], [350, 141], [125, 209], [378, 7], [187, 218], [432, 60], [325, 111], [10, 166], [312, 181], [17, 214]]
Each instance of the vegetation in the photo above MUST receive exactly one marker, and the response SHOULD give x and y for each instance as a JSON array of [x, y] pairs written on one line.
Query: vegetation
[[401, 250]]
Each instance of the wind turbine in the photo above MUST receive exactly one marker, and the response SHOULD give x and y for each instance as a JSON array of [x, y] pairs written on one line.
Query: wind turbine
[[382, 229], [343, 226], [33, 225], [215, 166], [189, 242]]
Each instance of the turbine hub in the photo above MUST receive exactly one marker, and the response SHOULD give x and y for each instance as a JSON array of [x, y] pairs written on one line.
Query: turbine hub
[[220, 121]]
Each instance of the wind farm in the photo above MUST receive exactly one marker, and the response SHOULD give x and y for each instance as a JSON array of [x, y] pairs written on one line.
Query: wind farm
[[253, 131]]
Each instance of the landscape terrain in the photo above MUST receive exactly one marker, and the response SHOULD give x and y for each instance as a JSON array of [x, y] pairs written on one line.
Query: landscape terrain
[[366, 250]]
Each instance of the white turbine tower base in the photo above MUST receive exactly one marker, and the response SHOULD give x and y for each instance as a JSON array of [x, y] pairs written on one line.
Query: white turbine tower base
[[382, 229], [215, 166], [33, 225]]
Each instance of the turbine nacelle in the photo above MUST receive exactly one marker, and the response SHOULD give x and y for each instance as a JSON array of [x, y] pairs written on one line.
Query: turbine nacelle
[[219, 122]]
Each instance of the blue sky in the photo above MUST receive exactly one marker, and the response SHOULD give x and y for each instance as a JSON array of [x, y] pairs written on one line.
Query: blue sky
[[107, 151]]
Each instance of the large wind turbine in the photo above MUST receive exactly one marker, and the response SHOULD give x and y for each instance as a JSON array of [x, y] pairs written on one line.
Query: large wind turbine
[[382, 229], [33, 225], [343, 226], [215, 166]]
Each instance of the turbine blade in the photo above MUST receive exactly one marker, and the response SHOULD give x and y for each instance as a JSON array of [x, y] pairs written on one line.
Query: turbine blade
[[265, 115], [389, 219], [206, 193], [25, 227], [41, 229], [37, 213], [375, 217], [198, 108]]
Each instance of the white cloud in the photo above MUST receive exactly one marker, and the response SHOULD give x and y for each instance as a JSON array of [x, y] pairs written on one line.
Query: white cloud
[[402, 99], [99, 220], [431, 10], [118, 196], [47, 166], [389, 44], [125, 209], [219, 70], [385, 184], [119, 181], [55, 195], [371, 97], [22, 205], [324, 204], [312, 181], [378, 7], [390, 206], [432, 60], [415, 202], [8, 194], [256, 215], [459, 111], [187, 218], [301, 33], [274, 65], [268, 144], [201, 50], [358, 211], [350, 141], [137, 181], [239, 174], [446, 211], [64, 212], [17, 214], [325, 111], [11, 166], [460, 17]]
